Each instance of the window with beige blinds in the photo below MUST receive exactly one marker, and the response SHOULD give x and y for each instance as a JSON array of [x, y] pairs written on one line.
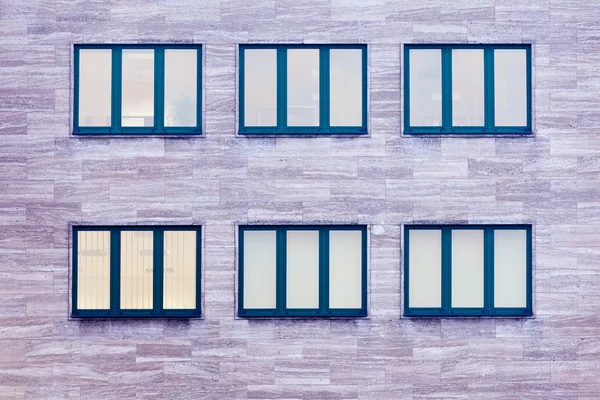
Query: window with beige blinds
[[136, 271], [93, 270], [179, 270]]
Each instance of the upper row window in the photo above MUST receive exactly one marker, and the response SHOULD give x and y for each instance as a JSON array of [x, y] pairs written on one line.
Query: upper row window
[[303, 89], [467, 89], [143, 89]]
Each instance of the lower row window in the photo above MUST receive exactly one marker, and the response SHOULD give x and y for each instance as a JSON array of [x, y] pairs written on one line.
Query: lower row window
[[467, 270], [302, 271], [136, 272]]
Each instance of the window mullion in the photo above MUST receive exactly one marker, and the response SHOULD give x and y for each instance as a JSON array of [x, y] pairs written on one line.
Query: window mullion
[[281, 88], [529, 275], [446, 269], [158, 275], [75, 274], [115, 271], [324, 88], [159, 89], [488, 68], [199, 94], [324, 271], [488, 270], [199, 270], [529, 88], [281, 272], [76, 90], [116, 90], [446, 89]]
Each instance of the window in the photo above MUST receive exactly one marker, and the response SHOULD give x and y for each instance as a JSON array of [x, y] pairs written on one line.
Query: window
[[136, 271], [464, 89], [467, 270], [302, 271], [137, 89], [303, 89]]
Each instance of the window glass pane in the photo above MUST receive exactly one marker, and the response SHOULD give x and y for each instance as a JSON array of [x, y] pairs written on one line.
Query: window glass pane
[[346, 96], [468, 99], [181, 87], [260, 87], [93, 270], [510, 268], [137, 266], [425, 268], [510, 87], [179, 269], [138, 88], [260, 259], [303, 87], [345, 269], [95, 71], [467, 268], [302, 264], [425, 71]]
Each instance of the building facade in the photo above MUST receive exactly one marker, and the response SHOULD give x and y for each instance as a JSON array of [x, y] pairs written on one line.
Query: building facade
[[383, 180]]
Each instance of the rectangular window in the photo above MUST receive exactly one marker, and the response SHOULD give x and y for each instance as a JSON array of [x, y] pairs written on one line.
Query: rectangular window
[[302, 271], [467, 270], [303, 89], [136, 272], [137, 89], [467, 89]]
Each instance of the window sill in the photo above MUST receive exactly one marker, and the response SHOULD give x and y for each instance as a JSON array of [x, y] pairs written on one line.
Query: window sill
[[139, 133], [471, 315], [305, 132], [301, 315], [466, 133], [98, 316]]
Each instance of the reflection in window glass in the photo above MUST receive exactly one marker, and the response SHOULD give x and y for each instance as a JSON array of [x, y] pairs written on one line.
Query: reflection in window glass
[[95, 71], [302, 269], [425, 260], [345, 103], [260, 262], [510, 268], [467, 268], [93, 270], [468, 101], [137, 268], [510, 87], [345, 269], [303, 87], [137, 88], [179, 270], [260, 87], [180, 87], [425, 71]]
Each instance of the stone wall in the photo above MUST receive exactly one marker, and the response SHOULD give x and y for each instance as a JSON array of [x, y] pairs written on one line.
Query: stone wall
[[50, 179]]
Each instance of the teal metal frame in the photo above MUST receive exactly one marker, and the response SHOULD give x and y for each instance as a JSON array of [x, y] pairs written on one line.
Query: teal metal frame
[[281, 310], [489, 113], [115, 273], [159, 82], [488, 291], [324, 127]]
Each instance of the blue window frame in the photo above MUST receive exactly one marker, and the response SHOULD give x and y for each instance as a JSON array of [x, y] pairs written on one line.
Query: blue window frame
[[467, 89], [137, 89], [467, 270], [302, 271], [136, 272], [302, 89]]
